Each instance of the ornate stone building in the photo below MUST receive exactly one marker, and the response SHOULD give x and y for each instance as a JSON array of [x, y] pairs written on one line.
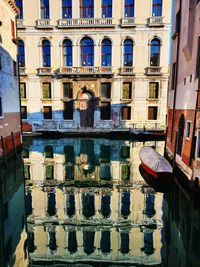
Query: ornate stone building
[[95, 65]]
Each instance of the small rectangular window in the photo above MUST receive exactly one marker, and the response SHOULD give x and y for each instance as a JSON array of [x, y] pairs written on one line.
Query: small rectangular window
[[126, 113], [153, 90], [152, 113], [127, 90], [1, 109], [157, 8], [67, 9], [47, 113], [24, 112], [44, 7], [105, 111], [173, 79], [198, 145], [106, 90], [198, 60], [68, 90], [23, 90], [188, 128], [14, 68], [107, 8], [46, 90], [68, 110]]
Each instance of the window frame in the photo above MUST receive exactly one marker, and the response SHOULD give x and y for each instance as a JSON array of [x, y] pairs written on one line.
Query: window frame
[[130, 90], [22, 113], [46, 57], [50, 91], [107, 90], [127, 54], [51, 117], [67, 8], [21, 47], [104, 116], [198, 146], [89, 56], [84, 8], [129, 112], [156, 107], [154, 54], [188, 127], [19, 4], [157, 88], [25, 91], [108, 9], [67, 52], [69, 118], [158, 5], [70, 89], [129, 6], [44, 10], [106, 52]]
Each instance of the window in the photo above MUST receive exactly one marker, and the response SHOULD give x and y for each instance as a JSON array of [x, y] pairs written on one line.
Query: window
[[47, 111], [13, 31], [46, 90], [68, 90], [105, 111], [46, 53], [198, 60], [173, 81], [24, 112], [68, 110], [157, 8], [153, 90], [127, 90], [44, 8], [23, 90], [106, 53], [87, 8], [188, 128], [49, 172], [126, 113], [87, 52], [14, 68], [128, 52], [67, 53], [1, 109], [178, 22], [21, 53], [19, 4], [107, 8], [198, 145], [152, 113], [106, 90], [155, 53], [129, 8], [66, 9]]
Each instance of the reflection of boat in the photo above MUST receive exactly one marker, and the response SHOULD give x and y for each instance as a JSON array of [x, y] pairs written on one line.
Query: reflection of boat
[[154, 164]]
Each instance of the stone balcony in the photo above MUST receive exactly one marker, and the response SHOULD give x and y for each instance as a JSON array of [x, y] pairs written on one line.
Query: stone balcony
[[155, 22], [85, 22], [43, 24], [127, 71], [128, 22], [153, 70], [44, 71], [20, 24], [22, 71], [65, 71]]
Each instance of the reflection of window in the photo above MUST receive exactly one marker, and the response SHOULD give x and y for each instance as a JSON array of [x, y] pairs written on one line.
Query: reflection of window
[[105, 171], [27, 171], [157, 8], [153, 90], [125, 172], [68, 90], [69, 153], [105, 153], [24, 112], [155, 53], [107, 8], [69, 172], [68, 110], [46, 90], [105, 111], [106, 90], [47, 113], [152, 113], [49, 152], [126, 113], [23, 90], [129, 8], [87, 8], [44, 8], [127, 91], [25, 152], [49, 172], [66, 9], [125, 152]]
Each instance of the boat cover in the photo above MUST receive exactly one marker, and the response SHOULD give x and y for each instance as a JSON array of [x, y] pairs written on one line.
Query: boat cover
[[154, 160]]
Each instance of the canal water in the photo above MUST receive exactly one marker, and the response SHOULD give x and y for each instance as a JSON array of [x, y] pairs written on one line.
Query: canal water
[[82, 202]]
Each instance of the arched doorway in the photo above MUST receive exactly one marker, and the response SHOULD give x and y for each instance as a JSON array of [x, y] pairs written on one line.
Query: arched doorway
[[87, 107], [181, 127]]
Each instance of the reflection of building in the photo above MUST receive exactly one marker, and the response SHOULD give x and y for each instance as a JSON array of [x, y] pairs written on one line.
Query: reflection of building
[[91, 213], [9, 92], [94, 65], [183, 140], [12, 215]]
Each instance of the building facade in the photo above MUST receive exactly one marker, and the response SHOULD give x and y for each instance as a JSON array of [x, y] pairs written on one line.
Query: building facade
[[183, 139], [9, 90], [95, 65]]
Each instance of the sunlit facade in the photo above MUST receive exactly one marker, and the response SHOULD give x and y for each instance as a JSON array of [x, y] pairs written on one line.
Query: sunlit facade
[[94, 65]]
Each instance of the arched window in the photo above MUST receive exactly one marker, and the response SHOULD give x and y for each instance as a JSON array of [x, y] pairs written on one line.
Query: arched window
[[21, 52], [107, 8], [128, 52], [87, 8], [46, 53], [67, 52], [19, 4], [129, 8], [157, 8], [106, 53], [44, 9], [87, 52], [155, 53], [67, 9]]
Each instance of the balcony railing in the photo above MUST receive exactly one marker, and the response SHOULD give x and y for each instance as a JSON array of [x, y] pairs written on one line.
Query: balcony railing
[[45, 71], [43, 24], [127, 70], [153, 70], [84, 71], [155, 22], [20, 24], [128, 22], [22, 71], [85, 22]]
